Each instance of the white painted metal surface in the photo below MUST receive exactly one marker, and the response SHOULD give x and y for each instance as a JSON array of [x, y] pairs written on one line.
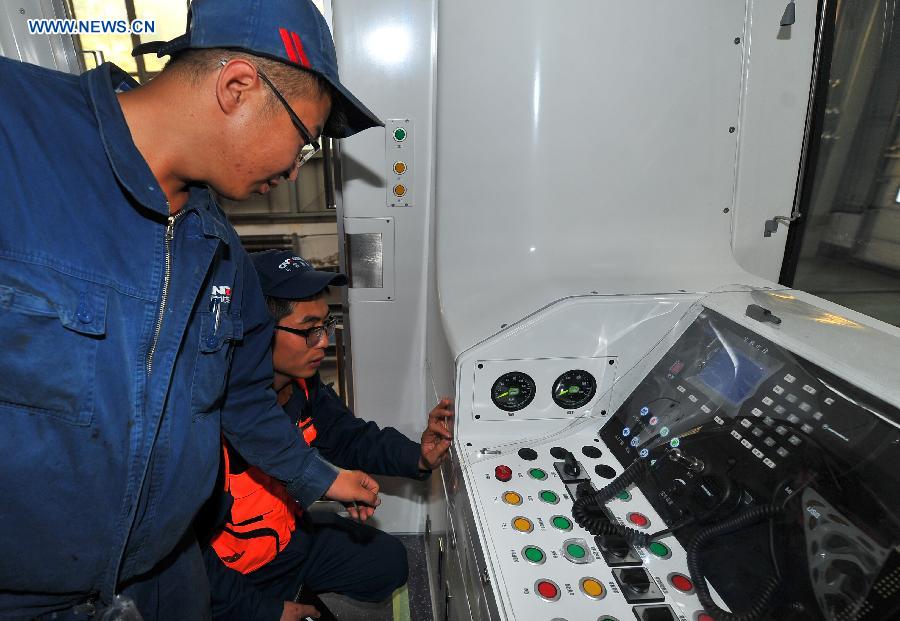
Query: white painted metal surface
[[585, 149], [53, 51], [773, 114], [386, 57]]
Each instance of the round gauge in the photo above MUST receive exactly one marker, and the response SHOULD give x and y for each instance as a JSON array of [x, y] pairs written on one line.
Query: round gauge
[[574, 389], [513, 391]]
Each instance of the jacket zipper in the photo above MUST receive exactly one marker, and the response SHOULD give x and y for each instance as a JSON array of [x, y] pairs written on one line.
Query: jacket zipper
[[170, 235]]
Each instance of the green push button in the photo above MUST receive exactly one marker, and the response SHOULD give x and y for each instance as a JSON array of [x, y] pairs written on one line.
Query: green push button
[[624, 495], [548, 496], [399, 134], [533, 554], [575, 551], [537, 473], [660, 549], [562, 523]]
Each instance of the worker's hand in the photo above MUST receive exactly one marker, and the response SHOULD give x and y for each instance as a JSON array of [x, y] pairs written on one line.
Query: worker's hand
[[298, 612], [359, 512], [438, 435], [354, 486]]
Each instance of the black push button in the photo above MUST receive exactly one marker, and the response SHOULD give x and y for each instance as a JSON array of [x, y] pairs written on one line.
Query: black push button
[[558, 452], [591, 451], [528, 454], [605, 471], [655, 613]]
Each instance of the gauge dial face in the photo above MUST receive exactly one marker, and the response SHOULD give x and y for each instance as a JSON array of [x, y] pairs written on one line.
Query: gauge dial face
[[574, 389], [513, 391]]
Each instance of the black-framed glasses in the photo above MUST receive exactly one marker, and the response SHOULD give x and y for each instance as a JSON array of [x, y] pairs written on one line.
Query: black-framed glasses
[[315, 334], [310, 145]]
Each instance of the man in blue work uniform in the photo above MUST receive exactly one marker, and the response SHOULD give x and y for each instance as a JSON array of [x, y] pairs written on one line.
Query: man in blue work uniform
[[130, 315], [251, 576]]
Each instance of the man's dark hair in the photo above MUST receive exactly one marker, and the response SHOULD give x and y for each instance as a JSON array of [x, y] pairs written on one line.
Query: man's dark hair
[[279, 308]]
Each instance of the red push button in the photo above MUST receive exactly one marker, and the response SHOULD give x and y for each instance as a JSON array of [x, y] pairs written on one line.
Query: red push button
[[681, 582], [704, 617], [503, 473], [639, 519], [547, 589]]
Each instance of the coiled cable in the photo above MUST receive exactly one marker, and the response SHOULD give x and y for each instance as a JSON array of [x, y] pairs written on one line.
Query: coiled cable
[[766, 593]]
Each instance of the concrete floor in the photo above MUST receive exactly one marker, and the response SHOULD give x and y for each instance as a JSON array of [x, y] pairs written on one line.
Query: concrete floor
[[865, 289]]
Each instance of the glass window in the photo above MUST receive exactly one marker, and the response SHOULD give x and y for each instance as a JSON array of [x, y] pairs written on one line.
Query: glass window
[[846, 248]]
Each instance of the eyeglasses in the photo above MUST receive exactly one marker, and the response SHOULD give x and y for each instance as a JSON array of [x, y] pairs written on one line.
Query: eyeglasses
[[310, 146], [315, 334]]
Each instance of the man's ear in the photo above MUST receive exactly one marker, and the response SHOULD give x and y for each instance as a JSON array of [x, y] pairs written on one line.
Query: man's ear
[[236, 84]]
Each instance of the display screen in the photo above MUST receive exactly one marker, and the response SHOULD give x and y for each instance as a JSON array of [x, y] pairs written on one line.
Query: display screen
[[732, 374]]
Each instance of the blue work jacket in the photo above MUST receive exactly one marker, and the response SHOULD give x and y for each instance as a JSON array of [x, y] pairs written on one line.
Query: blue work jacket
[[130, 341]]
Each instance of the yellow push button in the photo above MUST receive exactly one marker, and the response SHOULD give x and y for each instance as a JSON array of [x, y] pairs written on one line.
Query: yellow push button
[[399, 190], [523, 525], [399, 167], [512, 498], [593, 588]]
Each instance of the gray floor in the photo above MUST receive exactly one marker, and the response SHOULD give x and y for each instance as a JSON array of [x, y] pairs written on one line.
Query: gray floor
[[868, 290], [417, 593]]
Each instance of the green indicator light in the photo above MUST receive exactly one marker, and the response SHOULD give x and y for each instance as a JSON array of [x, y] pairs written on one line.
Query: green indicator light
[[575, 550], [534, 555], [624, 495], [674, 442], [399, 134], [562, 523], [537, 473], [548, 496], [659, 549]]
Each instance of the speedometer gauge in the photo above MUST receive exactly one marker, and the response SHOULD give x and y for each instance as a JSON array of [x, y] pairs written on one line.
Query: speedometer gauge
[[574, 389], [513, 391]]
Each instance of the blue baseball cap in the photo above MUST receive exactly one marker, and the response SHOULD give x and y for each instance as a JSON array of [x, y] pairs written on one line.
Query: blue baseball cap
[[290, 31], [284, 275]]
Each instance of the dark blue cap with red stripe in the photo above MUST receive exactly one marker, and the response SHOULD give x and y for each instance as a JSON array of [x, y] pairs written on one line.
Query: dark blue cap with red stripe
[[291, 31]]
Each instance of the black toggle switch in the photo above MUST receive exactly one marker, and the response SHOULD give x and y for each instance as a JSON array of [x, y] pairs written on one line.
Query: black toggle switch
[[616, 545], [616, 550], [637, 585], [571, 466], [584, 489], [636, 578], [569, 469], [655, 613]]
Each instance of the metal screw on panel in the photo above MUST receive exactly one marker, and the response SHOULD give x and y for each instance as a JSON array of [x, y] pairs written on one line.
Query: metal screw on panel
[[737, 40], [731, 129], [726, 210], [503, 325], [21, 11]]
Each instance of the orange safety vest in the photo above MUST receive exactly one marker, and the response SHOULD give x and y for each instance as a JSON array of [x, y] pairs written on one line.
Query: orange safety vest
[[263, 516]]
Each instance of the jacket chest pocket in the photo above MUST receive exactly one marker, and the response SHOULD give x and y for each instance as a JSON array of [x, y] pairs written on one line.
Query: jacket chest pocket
[[50, 329], [217, 338]]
